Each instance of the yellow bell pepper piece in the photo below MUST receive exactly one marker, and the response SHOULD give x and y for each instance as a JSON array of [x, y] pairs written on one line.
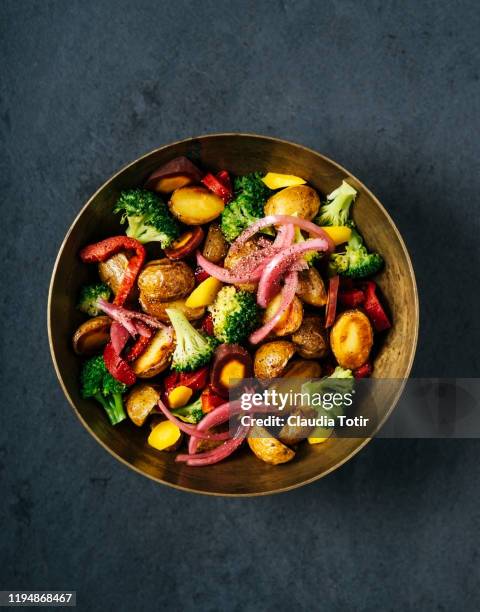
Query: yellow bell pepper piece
[[320, 435], [276, 181], [164, 435], [338, 233], [179, 396], [204, 294]]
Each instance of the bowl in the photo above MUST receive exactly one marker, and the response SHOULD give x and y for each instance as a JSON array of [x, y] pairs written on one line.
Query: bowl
[[242, 474]]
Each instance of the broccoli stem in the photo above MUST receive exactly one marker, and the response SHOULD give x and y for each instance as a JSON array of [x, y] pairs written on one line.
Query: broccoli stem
[[114, 409]]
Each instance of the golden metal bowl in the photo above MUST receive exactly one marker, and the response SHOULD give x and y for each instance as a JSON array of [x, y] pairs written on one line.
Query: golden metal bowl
[[243, 473]]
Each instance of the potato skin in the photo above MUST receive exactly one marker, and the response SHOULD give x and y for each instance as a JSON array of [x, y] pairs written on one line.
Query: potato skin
[[163, 280], [140, 402], [271, 359], [157, 356], [215, 248], [293, 434], [351, 339], [157, 309], [234, 256], [311, 338], [311, 288], [92, 335], [268, 448], [302, 201]]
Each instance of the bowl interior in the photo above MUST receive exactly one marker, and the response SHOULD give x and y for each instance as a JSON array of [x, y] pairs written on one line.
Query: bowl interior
[[242, 474]]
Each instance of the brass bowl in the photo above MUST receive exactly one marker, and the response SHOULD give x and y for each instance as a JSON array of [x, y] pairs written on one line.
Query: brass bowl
[[242, 474]]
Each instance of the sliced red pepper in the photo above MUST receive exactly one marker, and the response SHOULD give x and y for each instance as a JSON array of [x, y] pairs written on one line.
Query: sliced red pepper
[[171, 381], [139, 347], [210, 400], [224, 177], [200, 274], [351, 298], [101, 251], [187, 244], [118, 367], [363, 371], [374, 309], [331, 309], [207, 325], [197, 380], [218, 187]]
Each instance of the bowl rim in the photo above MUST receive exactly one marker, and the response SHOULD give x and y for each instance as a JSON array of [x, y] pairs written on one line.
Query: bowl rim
[[416, 317]]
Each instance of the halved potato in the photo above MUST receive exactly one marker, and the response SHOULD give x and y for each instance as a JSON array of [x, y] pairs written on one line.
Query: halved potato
[[292, 434], [301, 201], [271, 359], [351, 339], [303, 368], [195, 205], [311, 338], [140, 402], [157, 309], [291, 319], [267, 448], [163, 280], [156, 357], [311, 288], [92, 335]]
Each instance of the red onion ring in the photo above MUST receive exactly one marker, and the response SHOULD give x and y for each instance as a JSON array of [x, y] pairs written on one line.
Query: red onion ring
[[189, 429], [308, 226], [217, 454], [127, 317], [269, 280], [119, 336], [227, 276], [288, 294]]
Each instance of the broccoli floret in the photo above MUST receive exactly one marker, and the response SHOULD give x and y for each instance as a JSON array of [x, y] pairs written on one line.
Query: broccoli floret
[[148, 217], [355, 261], [193, 350], [311, 257], [89, 294], [340, 381], [97, 382], [337, 207], [191, 413], [234, 314], [340, 372], [247, 206]]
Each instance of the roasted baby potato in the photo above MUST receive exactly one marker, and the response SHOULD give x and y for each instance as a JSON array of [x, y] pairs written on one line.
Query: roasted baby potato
[[215, 248], [302, 201], [157, 309], [303, 369], [163, 280], [293, 434], [351, 339], [311, 288], [267, 448], [140, 402], [311, 338], [271, 359], [112, 270], [92, 335], [235, 255], [291, 319], [156, 357], [195, 205]]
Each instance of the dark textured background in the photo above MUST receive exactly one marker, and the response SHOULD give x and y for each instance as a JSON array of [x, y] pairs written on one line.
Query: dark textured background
[[389, 89]]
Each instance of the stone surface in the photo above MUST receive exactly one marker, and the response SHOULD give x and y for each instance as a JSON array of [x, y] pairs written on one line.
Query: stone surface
[[391, 90]]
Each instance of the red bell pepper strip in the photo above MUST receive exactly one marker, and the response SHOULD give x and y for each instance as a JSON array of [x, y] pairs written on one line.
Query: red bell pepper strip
[[374, 309], [101, 251], [217, 187], [224, 177], [210, 400], [331, 308], [352, 298], [363, 371], [200, 274], [139, 347], [171, 381], [207, 325], [196, 381], [118, 367]]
